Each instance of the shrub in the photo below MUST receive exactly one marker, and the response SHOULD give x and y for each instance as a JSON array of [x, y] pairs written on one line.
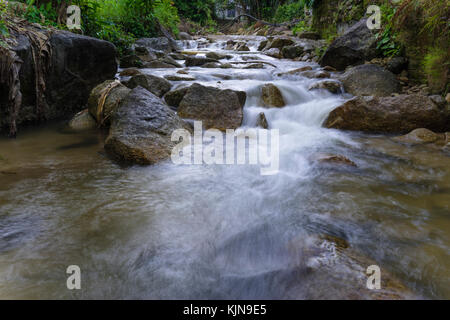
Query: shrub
[[167, 15], [388, 44], [300, 27], [290, 11], [3, 29], [436, 64]]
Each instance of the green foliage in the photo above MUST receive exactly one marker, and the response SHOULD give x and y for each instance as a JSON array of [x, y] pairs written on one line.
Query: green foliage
[[435, 61], [436, 64], [290, 11], [45, 14], [167, 15], [200, 11], [116, 35], [387, 38], [3, 28], [300, 27]]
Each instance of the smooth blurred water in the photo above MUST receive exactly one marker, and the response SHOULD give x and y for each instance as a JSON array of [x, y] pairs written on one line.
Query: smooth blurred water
[[225, 231]]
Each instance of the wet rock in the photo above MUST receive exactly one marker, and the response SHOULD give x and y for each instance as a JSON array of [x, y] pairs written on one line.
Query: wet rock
[[280, 43], [291, 52], [171, 61], [316, 74], [397, 65], [226, 66], [156, 85], [219, 109], [263, 45], [161, 44], [177, 56], [217, 56], [173, 98], [141, 129], [331, 251], [182, 72], [330, 85], [211, 65], [329, 69], [130, 72], [272, 96], [104, 100], [248, 58], [184, 36], [157, 64], [296, 71], [356, 45], [242, 47], [370, 80], [178, 78], [262, 121], [82, 121], [198, 61], [255, 66], [130, 61], [420, 136], [334, 159], [274, 53], [230, 45], [398, 114], [145, 55]]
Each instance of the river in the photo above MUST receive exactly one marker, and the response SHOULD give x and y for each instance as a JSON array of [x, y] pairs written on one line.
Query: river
[[224, 231]]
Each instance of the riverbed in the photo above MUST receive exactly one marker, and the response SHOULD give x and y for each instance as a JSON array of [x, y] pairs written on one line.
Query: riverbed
[[224, 231]]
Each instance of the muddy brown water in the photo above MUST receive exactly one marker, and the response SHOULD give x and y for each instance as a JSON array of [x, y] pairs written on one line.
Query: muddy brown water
[[224, 231]]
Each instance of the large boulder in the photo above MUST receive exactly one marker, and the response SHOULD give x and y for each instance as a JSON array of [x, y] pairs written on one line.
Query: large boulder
[[219, 109], [104, 100], [355, 46], [291, 52], [370, 80], [156, 85], [272, 97], [400, 114], [141, 129], [280, 43], [77, 64]]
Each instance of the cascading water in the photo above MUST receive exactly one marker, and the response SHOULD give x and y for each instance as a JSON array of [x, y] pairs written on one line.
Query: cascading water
[[225, 231]]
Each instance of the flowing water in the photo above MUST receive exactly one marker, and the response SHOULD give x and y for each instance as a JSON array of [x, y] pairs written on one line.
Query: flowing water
[[225, 231]]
